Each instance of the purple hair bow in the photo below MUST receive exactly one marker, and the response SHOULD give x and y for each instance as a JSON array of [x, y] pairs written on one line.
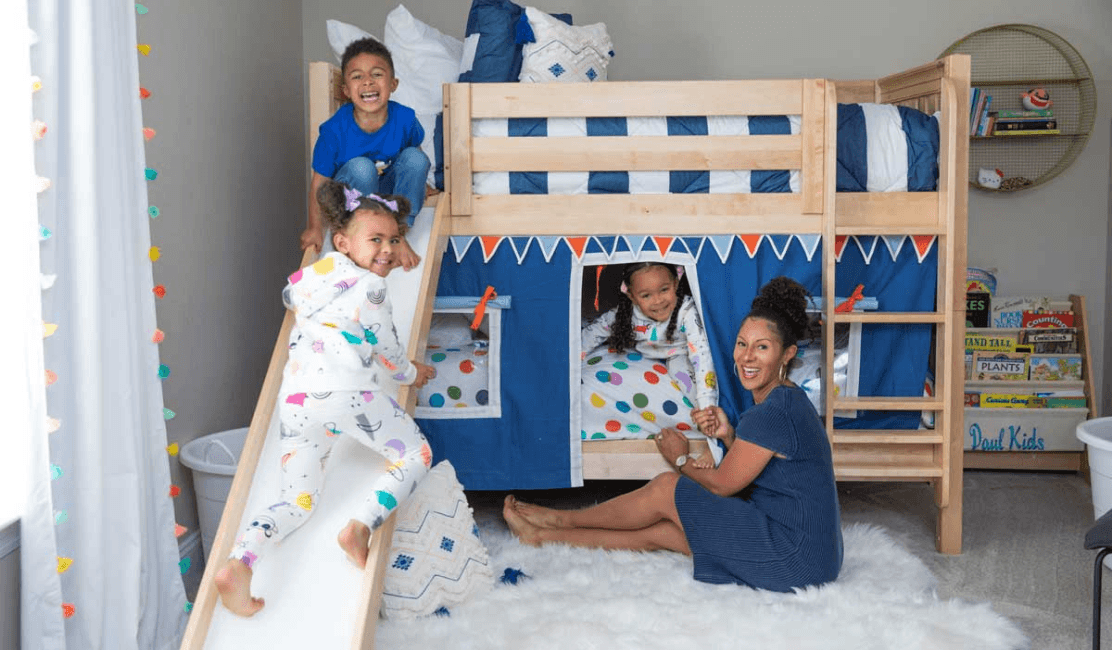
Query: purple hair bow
[[353, 196]]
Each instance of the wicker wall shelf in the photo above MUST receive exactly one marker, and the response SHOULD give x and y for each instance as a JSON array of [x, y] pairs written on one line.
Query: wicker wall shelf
[[1009, 60]]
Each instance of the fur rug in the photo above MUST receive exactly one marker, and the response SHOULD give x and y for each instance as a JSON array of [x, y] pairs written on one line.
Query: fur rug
[[575, 598]]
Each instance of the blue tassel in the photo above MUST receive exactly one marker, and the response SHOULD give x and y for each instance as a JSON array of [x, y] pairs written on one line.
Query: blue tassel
[[443, 611], [510, 576], [523, 31]]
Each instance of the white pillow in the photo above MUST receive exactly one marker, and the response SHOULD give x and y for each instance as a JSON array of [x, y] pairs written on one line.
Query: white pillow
[[424, 60], [340, 35], [562, 52], [437, 559]]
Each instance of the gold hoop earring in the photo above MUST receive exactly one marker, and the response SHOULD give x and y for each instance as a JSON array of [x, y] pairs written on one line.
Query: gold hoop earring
[[784, 373]]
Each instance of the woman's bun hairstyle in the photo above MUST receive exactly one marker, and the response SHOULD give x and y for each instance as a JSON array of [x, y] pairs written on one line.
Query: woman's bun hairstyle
[[783, 302]]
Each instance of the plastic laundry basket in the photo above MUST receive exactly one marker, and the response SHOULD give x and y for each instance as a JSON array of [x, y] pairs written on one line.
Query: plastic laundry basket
[[1097, 434], [213, 459]]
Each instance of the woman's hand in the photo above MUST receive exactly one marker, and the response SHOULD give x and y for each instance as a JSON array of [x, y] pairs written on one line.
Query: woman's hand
[[672, 444], [712, 423], [424, 374]]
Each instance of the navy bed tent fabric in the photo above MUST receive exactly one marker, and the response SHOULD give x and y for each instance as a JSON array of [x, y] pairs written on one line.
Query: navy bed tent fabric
[[529, 446]]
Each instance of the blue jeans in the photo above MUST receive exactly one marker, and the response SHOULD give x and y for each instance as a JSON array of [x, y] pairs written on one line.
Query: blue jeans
[[406, 176]]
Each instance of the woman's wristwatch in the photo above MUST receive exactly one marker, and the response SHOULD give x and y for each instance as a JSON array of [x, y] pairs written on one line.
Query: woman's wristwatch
[[681, 460]]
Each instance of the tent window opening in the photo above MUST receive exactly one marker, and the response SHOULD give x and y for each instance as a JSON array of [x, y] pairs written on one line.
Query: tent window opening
[[468, 373]]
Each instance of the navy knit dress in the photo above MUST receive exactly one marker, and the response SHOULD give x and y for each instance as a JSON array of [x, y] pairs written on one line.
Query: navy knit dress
[[784, 530]]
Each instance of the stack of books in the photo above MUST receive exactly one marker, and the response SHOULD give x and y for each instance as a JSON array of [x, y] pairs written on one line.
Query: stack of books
[[979, 103], [1011, 123]]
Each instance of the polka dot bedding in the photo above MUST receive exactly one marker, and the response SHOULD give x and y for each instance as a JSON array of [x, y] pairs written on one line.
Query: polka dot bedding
[[627, 395], [461, 376]]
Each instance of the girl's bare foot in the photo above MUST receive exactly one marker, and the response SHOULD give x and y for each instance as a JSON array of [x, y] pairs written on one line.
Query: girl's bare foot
[[355, 539], [537, 515], [233, 581], [526, 532]]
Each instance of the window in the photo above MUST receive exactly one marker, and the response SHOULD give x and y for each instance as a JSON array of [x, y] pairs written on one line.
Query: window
[[467, 363]]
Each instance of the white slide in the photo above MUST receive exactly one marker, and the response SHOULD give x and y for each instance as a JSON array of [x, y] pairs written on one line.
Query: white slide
[[311, 589]]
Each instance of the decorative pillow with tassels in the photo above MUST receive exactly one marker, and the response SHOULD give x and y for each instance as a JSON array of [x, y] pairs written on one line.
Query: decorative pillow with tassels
[[558, 52], [437, 560]]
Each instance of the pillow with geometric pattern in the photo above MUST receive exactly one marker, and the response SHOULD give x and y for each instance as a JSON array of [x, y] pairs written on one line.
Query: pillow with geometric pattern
[[436, 560], [559, 52]]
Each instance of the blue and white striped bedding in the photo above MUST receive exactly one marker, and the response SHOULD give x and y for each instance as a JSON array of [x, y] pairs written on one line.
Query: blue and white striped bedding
[[881, 148]]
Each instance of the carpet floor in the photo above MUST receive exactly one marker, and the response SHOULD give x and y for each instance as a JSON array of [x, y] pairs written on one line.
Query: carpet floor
[[1022, 552]]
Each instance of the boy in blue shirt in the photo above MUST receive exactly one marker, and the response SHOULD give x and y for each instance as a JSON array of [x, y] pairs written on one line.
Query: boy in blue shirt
[[371, 144]]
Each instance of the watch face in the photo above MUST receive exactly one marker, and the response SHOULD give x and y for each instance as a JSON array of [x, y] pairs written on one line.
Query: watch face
[[680, 460]]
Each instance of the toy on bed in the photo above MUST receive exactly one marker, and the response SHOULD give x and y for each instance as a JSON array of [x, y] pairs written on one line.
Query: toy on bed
[[647, 363]]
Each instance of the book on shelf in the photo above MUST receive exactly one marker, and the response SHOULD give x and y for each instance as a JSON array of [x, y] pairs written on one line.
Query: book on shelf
[[1043, 112], [1003, 366], [1057, 319], [1027, 132], [1055, 367], [1024, 125], [1048, 340], [974, 105], [982, 120]]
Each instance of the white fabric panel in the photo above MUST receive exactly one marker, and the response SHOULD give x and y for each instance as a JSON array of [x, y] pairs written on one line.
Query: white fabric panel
[[490, 182], [647, 182], [725, 181], [886, 148], [567, 182], [794, 182]]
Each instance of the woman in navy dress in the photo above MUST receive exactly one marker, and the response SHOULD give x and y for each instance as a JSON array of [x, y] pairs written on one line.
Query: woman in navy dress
[[767, 516]]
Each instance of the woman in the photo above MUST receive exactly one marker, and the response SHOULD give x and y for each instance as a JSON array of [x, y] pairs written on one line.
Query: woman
[[768, 515]]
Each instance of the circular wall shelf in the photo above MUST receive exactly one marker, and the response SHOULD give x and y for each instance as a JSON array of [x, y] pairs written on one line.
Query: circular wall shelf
[[1009, 60]]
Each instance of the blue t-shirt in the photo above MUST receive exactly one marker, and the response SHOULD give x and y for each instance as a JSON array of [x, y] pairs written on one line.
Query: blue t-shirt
[[341, 139]]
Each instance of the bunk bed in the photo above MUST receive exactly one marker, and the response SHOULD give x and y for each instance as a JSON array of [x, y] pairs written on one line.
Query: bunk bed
[[932, 222]]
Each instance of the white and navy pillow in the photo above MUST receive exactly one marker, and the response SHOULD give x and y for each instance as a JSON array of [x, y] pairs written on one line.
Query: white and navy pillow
[[554, 51], [437, 560], [498, 52], [885, 148]]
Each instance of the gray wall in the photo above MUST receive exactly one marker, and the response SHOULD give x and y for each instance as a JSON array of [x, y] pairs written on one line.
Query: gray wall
[[1052, 239], [226, 82]]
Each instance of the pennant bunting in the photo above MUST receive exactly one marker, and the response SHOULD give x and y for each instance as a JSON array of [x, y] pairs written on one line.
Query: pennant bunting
[[779, 244], [810, 244], [606, 244], [839, 246], [751, 242], [577, 246], [923, 244], [894, 243], [461, 244], [548, 244], [663, 244], [867, 245], [722, 244], [490, 244], [520, 245], [694, 245], [636, 243]]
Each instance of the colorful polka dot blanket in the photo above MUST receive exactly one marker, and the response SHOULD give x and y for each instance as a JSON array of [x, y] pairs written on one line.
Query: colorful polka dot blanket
[[628, 395], [461, 376]]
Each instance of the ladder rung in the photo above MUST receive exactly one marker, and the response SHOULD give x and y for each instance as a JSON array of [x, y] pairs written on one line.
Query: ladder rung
[[889, 317], [850, 472], [888, 436], [897, 403]]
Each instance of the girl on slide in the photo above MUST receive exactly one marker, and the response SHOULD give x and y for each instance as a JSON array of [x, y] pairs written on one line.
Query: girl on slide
[[343, 337]]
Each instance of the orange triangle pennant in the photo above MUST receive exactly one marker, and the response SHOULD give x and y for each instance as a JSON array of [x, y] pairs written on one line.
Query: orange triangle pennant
[[490, 244], [577, 245], [923, 243], [751, 242], [663, 244], [839, 245]]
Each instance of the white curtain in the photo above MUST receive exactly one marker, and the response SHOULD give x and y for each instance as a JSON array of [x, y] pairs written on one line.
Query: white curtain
[[99, 501]]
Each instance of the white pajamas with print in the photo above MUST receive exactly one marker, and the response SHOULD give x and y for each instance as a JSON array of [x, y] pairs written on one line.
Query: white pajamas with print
[[344, 334]]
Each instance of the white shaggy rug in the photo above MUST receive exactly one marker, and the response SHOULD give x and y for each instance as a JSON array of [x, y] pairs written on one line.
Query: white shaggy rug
[[577, 598]]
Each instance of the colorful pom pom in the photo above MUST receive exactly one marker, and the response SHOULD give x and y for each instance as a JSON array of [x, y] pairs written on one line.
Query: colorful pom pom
[[64, 563], [51, 377], [150, 174], [154, 253], [53, 424], [174, 491], [159, 291], [158, 337], [144, 49], [140, 9], [184, 565], [511, 575], [36, 84], [167, 414], [60, 517], [153, 211], [148, 133], [172, 449], [163, 371], [44, 233], [68, 610], [144, 93], [179, 530], [48, 329], [38, 129], [55, 472]]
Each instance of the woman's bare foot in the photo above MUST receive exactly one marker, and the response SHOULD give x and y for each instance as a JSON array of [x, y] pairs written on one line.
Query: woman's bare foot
[[537, 515], [355, 539], [233, 581], [525, 532]]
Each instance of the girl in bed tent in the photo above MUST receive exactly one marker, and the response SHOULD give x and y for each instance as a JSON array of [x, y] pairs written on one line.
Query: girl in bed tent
[[330, 386], [371, 143], [768, 515], [656, 320]]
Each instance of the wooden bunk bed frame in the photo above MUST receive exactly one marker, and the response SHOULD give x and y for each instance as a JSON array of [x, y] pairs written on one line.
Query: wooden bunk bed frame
[[930, 455]]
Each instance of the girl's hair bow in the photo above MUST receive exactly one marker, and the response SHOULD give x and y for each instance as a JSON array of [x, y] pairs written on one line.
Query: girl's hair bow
[[353, 197]]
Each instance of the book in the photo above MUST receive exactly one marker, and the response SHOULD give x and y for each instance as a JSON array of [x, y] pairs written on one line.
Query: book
[[1055, 367], [1000, 366], [1027, 132], [1042, 318], [972, 398], [974, 112], [1024, 125], [1008, 400], [977, 308], [990, 342], [1042, 112], [1007, 311], [982, 123], [1066, 402], [1048, 340]]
